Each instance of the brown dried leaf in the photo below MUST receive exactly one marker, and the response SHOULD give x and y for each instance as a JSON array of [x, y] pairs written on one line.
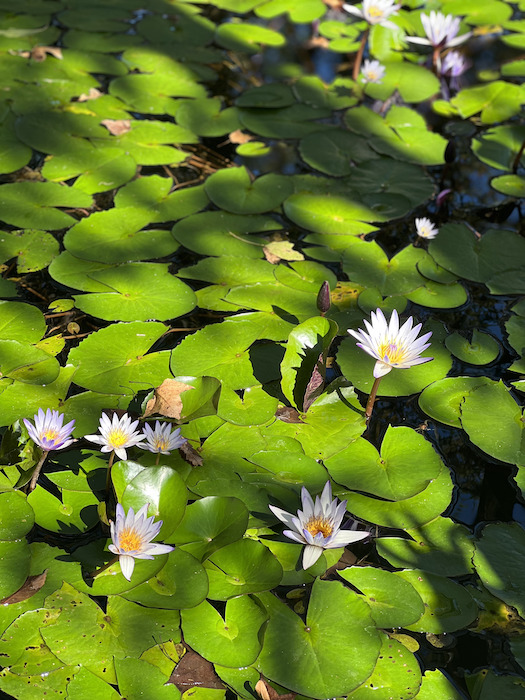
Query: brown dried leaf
[[93, 94], [266, 692], [288, 415], [31, 585], [193, 671], [167, 401], [117, 127], [239, 137], [315, 385], [191, 455], [281, 250]]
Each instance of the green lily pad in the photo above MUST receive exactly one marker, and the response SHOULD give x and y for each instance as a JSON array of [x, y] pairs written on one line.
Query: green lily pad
[[436, 686], [291, 122], [74, 272], [486, 684], [242, 567], [335, 151], [303, 12], [439, 296], [114, 359], [181, 583], [33, 249], [23, 648], [386, 175], [84, 683], [482, 349], [268, 96], [32, 204], [233, 190], [205, 117], [74, 512], [288, 468], [22, 322], [393, 602], [27, 363], [440, 547], [301, 656], [209, 524], [414, 83], [497, 101], [513, 185], [138, 291], [14, 566], [406, 466], [151, 93], [16, 516], [253, 408], [245, 37], [448, 606], [150, 142], [230, 641], [153, 197], [397, 671], [493, 421], [33, 687], [137, 677], [337, 214], [442, 399], [499, 146]]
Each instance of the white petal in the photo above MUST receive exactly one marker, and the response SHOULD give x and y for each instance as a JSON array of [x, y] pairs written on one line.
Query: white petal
[[353, 10], [344, 537], [127, 565], [285, 517], [381, 369], [120, 452], [310, 555], [418, 40], [294, 536]]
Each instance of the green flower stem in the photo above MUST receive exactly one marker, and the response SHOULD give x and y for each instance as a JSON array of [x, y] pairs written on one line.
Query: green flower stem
[[112, 561], [515, 164], [371, 400], [157, 459], [37, 471], [359, 55], [108, 473]]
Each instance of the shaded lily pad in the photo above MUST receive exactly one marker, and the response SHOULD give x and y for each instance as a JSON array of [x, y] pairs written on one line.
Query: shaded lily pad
[[33, 204], [27, 363], [233, 190], [33, 249], [205, 117], [335, 151], [242, 36], [22, 322]]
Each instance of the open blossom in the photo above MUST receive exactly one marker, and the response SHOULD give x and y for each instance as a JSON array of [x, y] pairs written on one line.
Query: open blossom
[[425, 228], [161, 440], [131, 535], [454, 64], [372, 71], [117, 434], [441, 31], [317, 525], [48, 432], [392, 346], [375, 12]]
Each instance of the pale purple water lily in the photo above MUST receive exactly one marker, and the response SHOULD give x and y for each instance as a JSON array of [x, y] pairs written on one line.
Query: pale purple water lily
[[425, 228], [48, 432], [372, 72], [162, 439], [375, 12], [117, 434], [317, 525], [131, 538], [441, 31], [393, 347], [454, 64]]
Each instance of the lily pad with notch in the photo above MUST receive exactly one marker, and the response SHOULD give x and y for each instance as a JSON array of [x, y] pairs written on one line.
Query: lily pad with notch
[[233, 190]]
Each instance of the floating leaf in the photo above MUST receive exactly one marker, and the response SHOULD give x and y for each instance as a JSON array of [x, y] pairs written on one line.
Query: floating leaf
[[480, 351], [34, 249], [232, 189]]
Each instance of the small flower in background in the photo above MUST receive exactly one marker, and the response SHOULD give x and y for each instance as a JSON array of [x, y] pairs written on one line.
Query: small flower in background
[[454, 64], [132, 535], [372, 72], [317, 525], [48, 432], [116, 434], [161, 440], [375, 12], [392, 346], [441, 31], [425, 228]]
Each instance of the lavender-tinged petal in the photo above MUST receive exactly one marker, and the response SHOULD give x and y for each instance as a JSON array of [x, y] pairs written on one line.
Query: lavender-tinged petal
[[310, 555], [127, 564]]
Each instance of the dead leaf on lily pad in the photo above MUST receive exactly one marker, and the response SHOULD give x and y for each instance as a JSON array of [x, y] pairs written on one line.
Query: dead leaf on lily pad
[[191, 455], [281, 250], [265, 691], [117, 127], [93, 94], [194, 671], [239, 136], [166, 400], [31, 585], [39, 53]]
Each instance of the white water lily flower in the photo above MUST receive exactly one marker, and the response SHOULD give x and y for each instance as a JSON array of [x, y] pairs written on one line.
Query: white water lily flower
[[425, 228], [163, 439], [317, 525], [48, 432], [441, 31], [392, 346], [373, 72], [454, 64], [132, 535], [375, 12], [117, 434]]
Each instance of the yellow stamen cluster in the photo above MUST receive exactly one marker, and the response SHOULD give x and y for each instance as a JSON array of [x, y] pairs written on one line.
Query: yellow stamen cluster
[[375, 11], [116, 438], [130, 540], [318, 525], [391, 353]]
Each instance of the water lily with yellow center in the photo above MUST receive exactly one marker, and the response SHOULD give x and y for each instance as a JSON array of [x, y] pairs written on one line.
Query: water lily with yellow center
[[117, 434], [372, 72], [131, 538], [48, 432], [392, 346], [318, 524], [425, 228], [375, 12], [441, 31], [162, 439]]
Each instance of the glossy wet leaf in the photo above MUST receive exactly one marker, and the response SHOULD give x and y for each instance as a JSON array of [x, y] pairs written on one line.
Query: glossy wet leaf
[[442, 399], [300, 655], [393, 602], [341, 215], [73, 512], [406, 466], [33, 249], [137, 677], [253, 408], [229, 641], [481, 350]]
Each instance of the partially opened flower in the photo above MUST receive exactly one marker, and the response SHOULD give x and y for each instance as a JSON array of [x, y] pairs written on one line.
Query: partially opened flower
[[375, 12], [454, 64], [132, 535], [117, 434], [317, 525], [372, 72], [48, 432], [392, 346], [441, 31], [425, 228], [163, 439]]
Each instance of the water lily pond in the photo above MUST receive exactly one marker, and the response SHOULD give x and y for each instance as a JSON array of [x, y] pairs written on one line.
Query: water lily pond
[[262, 338]]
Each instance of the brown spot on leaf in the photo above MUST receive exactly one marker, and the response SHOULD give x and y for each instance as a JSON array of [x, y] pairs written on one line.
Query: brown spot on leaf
[[167, 401], [117, 127]]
